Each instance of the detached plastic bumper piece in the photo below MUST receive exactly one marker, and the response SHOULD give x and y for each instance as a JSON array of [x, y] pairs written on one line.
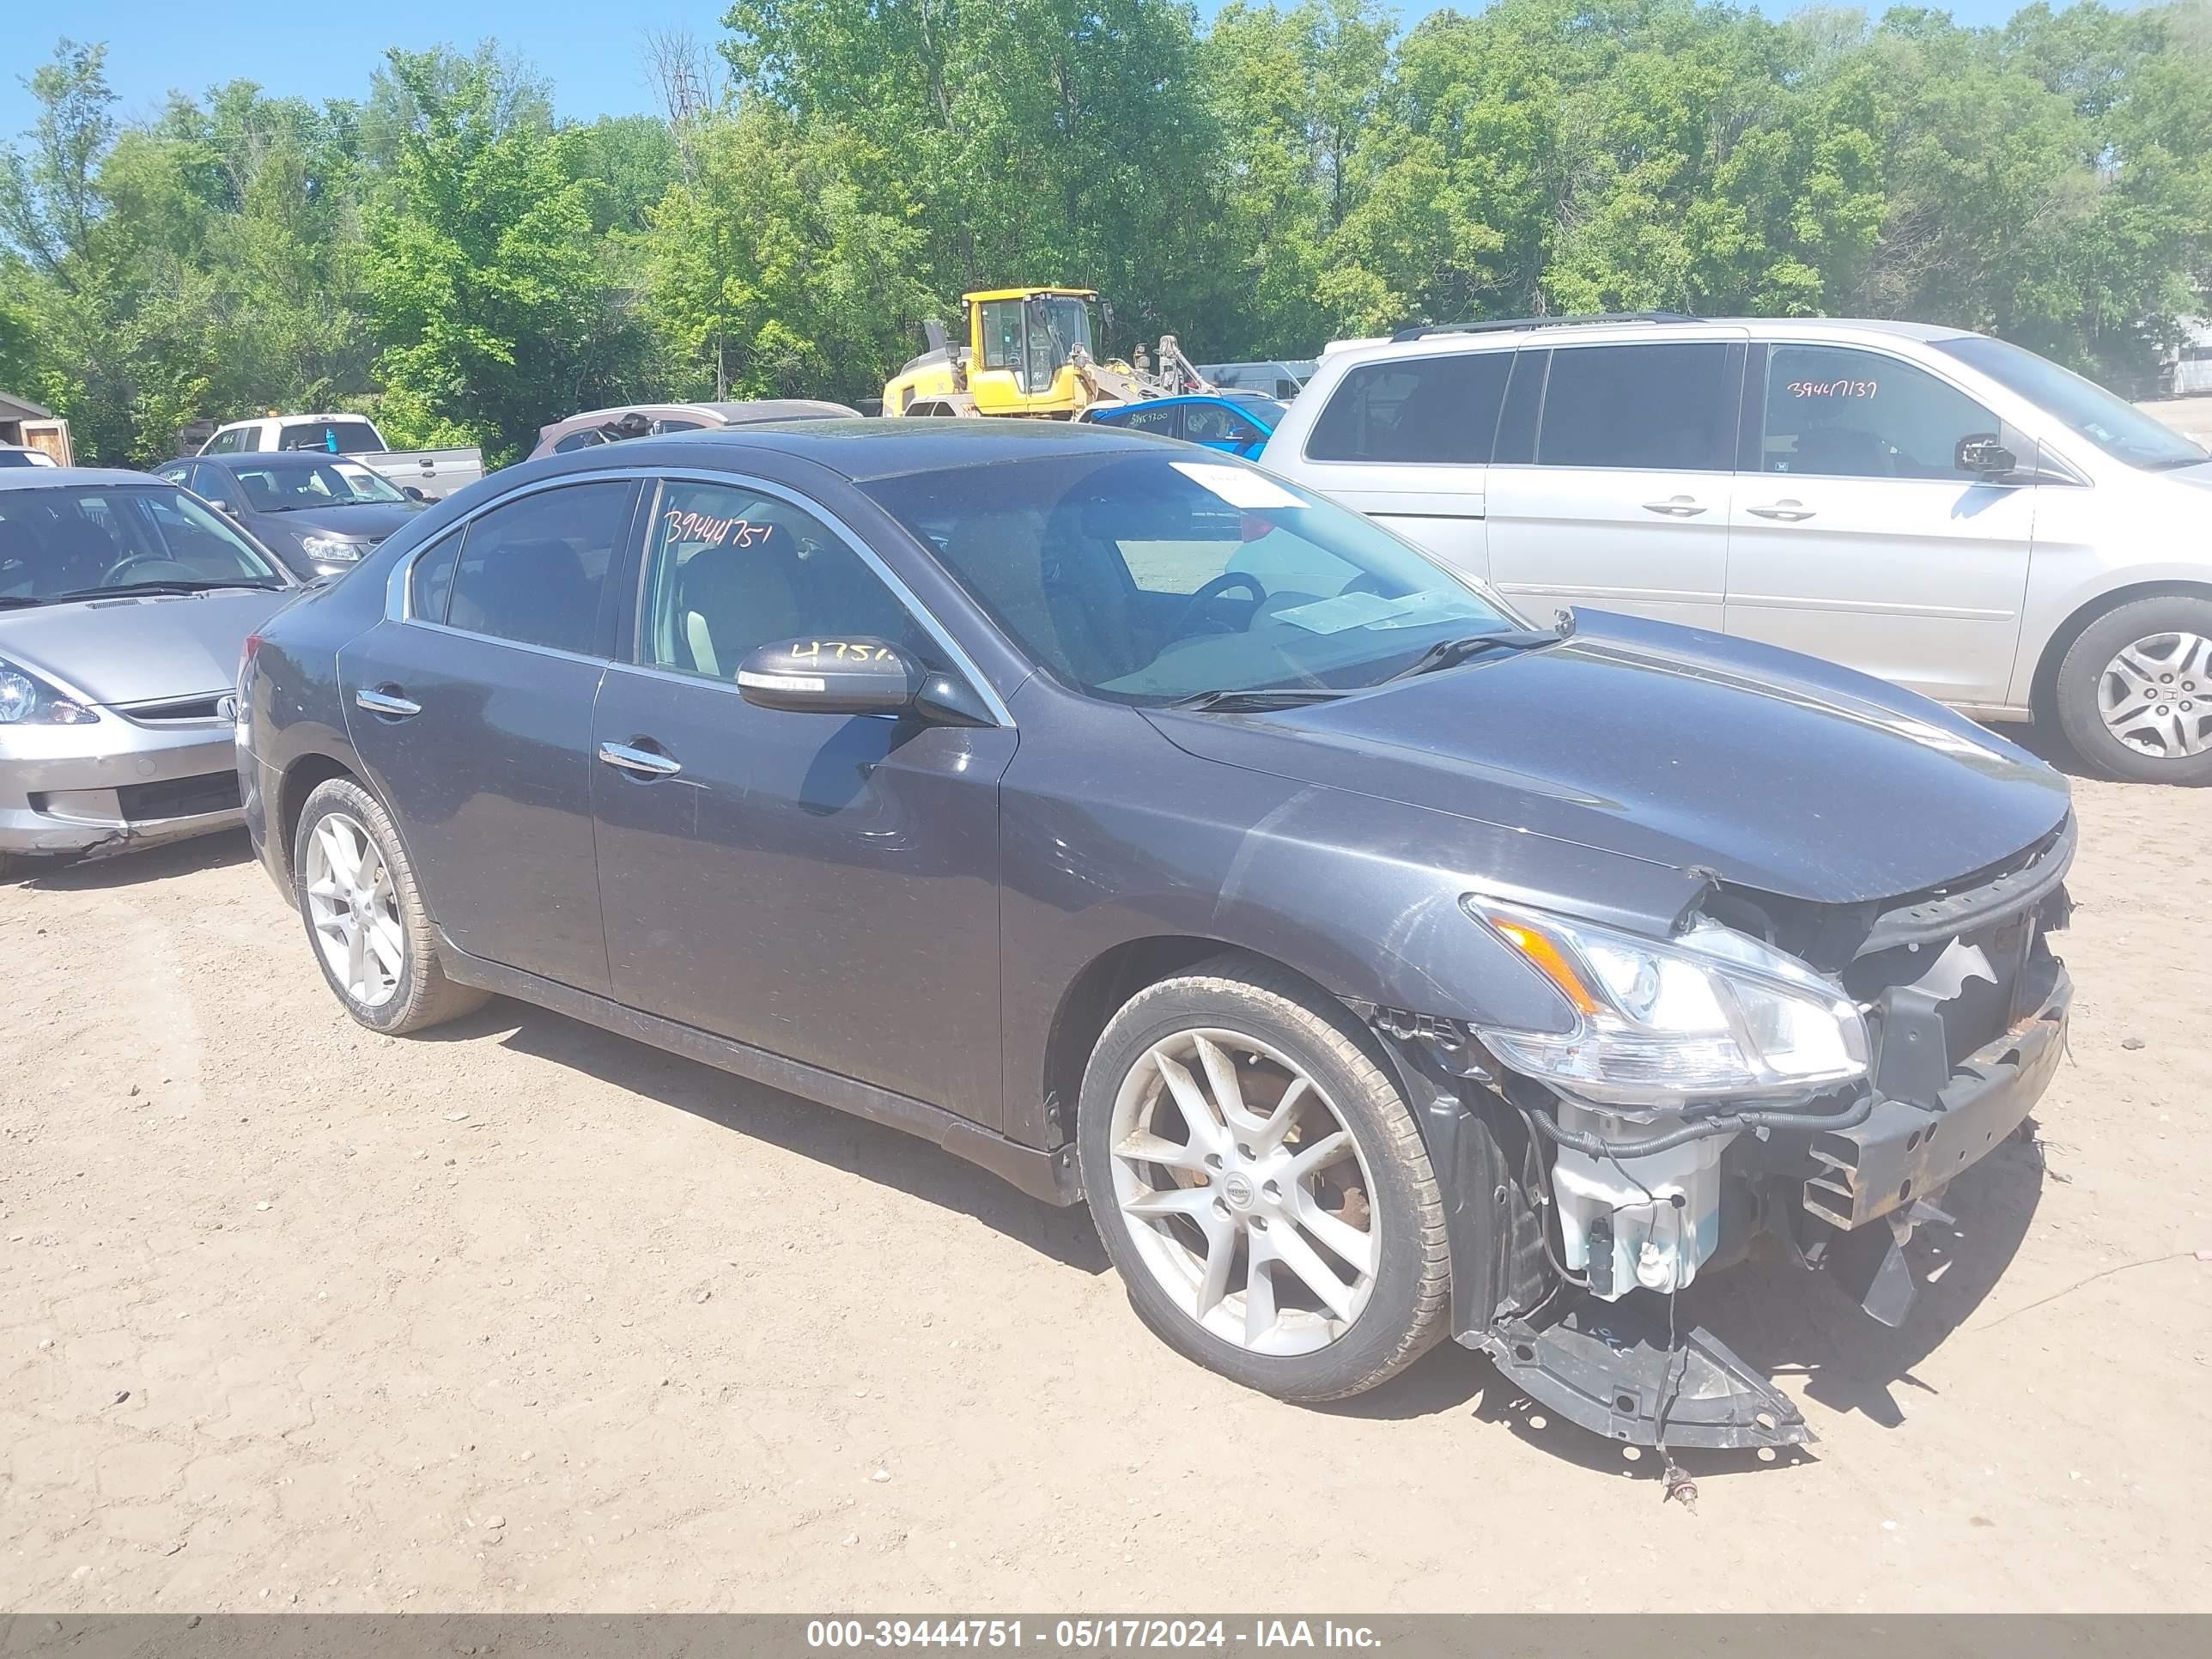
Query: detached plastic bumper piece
[[1607, 1366]]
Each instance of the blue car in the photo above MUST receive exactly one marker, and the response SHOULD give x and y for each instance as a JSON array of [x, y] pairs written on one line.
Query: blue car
[[1237, 422]]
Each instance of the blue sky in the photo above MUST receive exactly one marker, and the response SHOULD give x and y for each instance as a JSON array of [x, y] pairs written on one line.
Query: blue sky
[[593, 50]]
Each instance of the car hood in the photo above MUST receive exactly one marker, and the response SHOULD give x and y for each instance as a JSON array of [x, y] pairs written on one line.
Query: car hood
[[136, 645], [363, 521], [1682, 748]]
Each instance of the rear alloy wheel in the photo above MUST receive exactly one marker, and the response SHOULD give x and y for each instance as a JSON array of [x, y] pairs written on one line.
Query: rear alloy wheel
[[2135, 692], [365, 917], [1260, 1185]]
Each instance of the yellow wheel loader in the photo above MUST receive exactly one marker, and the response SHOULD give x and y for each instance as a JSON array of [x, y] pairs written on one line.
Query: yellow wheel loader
[[1031, 353]]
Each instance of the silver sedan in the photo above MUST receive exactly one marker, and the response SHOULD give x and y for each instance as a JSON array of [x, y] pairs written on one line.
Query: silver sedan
[[124, 604]]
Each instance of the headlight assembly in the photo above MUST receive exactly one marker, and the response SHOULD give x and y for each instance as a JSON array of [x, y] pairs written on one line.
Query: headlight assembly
[[27, 699], [1710, 1013], [332, 549]]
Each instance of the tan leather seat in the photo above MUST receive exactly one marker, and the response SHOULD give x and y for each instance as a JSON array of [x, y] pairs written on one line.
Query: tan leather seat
[[733, 599]]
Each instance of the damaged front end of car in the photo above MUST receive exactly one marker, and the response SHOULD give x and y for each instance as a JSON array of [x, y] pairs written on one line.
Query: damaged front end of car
[[1819, 1072]]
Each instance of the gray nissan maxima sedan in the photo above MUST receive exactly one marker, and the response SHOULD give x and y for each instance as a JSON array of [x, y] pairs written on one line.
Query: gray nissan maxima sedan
[[124, 604], [1377, 964]]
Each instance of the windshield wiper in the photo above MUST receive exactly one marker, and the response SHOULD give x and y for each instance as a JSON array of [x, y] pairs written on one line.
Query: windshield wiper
[[1448, 653], [17, 601], [158, 587], [1254, 702]]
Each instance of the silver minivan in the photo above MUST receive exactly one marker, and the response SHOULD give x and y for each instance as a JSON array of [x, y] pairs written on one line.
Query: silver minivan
[[1943, 509]]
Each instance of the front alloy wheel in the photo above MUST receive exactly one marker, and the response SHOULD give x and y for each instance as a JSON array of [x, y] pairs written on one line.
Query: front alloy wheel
[[1260, 1184], [1245, 1196], [2134, 691]]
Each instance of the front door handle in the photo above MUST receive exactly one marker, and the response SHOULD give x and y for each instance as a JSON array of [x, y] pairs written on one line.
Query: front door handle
[[1675, 506], [387, 702], [643, 762], [1789, 512]]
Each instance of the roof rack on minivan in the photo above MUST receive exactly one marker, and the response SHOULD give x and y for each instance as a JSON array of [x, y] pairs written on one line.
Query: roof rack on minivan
[[1499, 324]]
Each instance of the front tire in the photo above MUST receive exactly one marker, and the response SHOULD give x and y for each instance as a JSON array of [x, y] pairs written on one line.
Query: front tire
[[2134, 692], [364, 914], [1260, 1184]]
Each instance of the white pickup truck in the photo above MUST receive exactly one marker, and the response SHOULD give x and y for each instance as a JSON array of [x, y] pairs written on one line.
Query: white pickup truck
[[429, 475]]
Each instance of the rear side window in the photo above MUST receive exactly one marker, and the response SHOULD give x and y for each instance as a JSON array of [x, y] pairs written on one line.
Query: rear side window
[[1655, 408], [533, 569], [1432, 410], [1160, 420], [430, 583], [575, 440]]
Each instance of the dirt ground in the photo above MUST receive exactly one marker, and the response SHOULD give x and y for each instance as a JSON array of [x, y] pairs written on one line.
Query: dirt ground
[[530, 1317]]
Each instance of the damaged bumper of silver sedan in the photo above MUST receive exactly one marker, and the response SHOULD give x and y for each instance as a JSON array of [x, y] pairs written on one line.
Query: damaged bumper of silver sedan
[[1579, 1213], [131, 777]]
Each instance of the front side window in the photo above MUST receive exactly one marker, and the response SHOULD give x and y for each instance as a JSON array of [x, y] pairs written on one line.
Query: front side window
[[333, 437], [1662, 408], [78, 544], [533, 569], [1210, 423], [1149, 577], [1836, 412], [2118, 428], [1432, 410], [728, 569], [225, 443]]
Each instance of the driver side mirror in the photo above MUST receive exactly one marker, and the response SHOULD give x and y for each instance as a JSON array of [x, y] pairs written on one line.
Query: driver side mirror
[[413, 493], [1983, 453], [223, 505], [859, 674]]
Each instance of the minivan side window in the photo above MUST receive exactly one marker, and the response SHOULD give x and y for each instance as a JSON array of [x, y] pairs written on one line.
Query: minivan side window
[[1659, 407], [1416, 409], [1837, 413], [729, 569], [531, 570]]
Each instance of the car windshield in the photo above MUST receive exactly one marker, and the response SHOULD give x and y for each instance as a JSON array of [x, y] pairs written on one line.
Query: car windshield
[[2115, 426], [1266, 411], [83, 540], [1147, 579], [325, 483]]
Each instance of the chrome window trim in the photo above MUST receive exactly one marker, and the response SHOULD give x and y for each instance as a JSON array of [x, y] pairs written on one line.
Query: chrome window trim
[[398, 586]]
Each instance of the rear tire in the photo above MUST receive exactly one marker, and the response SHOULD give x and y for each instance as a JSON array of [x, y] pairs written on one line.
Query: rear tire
[[1296, 1248], [364, 915], [2134, 691]]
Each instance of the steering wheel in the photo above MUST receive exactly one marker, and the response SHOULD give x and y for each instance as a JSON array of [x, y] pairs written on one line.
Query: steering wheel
[[1194, 609], [131, 561]]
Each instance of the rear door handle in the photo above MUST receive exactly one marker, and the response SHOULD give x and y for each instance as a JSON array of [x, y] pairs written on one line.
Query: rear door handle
[[1677, 506], [1788, 511], [643, 762], [388, 703]]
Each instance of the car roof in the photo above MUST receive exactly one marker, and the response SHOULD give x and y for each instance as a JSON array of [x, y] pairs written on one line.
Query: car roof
[[861, 449], [52, 477], [266, 458], [1504, 336]]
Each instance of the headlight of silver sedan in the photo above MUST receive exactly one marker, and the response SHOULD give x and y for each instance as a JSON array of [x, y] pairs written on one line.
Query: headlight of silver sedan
[[27, 699], [1711, 1012]]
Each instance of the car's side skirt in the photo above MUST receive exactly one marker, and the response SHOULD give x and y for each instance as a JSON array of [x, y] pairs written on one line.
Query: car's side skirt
[[1049, 1175]]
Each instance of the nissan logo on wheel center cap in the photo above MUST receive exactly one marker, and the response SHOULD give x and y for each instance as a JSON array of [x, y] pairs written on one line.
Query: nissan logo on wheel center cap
[[1237, 1189]]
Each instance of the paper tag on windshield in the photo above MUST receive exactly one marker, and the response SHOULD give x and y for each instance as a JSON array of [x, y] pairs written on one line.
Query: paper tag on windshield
[[1252, 492]]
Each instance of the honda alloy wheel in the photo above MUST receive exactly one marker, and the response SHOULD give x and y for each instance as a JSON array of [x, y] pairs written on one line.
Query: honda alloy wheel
[[2134, 691], [1260, 1185]]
